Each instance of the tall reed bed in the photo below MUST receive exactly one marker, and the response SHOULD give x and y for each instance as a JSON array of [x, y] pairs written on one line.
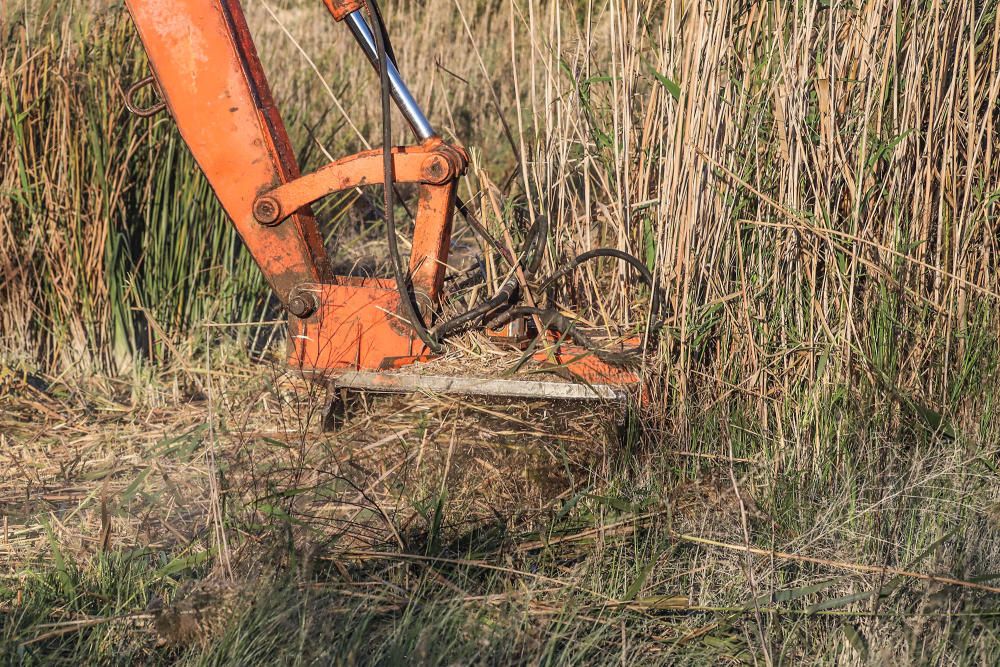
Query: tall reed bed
[[816, 183], [111, 242]]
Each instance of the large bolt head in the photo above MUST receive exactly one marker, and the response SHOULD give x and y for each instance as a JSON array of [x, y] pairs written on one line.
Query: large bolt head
[[435, 170], [302, 304], [267, 211]]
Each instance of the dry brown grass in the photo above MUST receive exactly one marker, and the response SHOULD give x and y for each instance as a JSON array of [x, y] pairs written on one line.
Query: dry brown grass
[[146, 476], [817, 186], [418, 498]]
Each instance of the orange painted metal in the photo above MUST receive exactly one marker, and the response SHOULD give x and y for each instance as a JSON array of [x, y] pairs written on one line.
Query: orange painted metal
[[432, 163], [206, 68], [585, 365], [357, 326], [341, 8], [429, 256], [395, 363]]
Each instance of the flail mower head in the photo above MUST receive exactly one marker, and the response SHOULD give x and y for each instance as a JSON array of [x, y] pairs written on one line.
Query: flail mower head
[[360, 333]]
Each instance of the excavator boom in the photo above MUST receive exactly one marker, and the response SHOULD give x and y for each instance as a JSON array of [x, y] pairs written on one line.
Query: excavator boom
[[206, 69]]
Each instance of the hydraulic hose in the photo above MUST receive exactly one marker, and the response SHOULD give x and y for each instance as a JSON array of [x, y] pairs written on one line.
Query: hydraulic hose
[[656, 300], [400, 274], [510, 288], [500, 308]]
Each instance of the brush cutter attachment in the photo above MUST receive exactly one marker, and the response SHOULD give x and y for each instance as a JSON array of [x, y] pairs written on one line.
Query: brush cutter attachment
[[353, 332]]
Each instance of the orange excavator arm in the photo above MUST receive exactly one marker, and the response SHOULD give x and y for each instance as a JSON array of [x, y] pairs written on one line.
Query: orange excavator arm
[[210, 77], [208, 72], [206, 69]]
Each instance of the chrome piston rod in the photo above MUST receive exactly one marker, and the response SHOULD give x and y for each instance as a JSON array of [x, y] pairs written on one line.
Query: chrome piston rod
[[397, 87]]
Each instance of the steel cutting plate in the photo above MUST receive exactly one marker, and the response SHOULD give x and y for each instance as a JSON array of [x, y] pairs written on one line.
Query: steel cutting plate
[[443, 384]]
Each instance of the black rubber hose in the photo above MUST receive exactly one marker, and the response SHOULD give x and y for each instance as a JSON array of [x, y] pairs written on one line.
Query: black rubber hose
[[374, 8], [656, 300], [508, 291], [402, 286], [536, 249], [631, 260]]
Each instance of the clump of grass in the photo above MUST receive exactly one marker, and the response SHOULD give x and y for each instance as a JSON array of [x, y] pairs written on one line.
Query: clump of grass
[[85, 613]]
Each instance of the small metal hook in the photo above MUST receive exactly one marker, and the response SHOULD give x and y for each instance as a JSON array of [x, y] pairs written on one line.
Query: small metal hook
[[143, 112]]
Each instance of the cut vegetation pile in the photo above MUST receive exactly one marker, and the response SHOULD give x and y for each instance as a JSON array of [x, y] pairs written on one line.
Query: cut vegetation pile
[[817, 186]]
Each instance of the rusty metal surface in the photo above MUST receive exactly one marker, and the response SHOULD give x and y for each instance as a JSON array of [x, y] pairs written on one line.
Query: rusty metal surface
[[341, 8], [135, 107]]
